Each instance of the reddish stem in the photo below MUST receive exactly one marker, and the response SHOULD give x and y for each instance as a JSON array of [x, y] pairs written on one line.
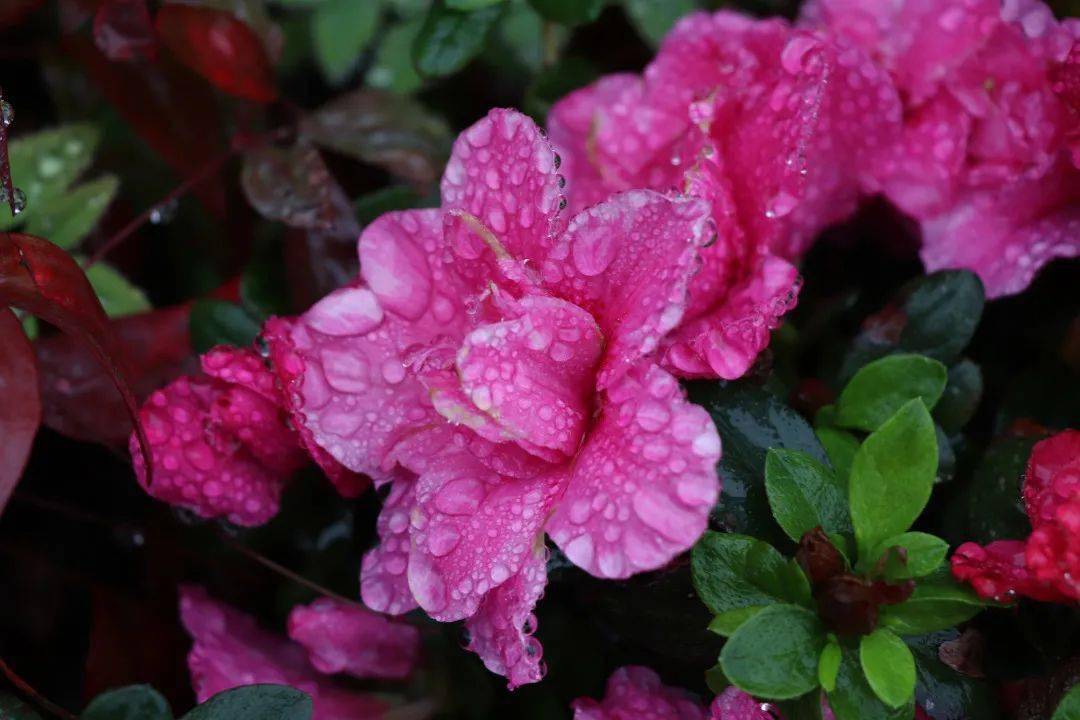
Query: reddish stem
[[26, 689], [5, 166]]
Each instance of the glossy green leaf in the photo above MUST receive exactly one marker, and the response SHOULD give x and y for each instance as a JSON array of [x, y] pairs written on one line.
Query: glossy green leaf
[[393, 69], [829, 666], [804, 494], [340, 30], [952, 695], [880, 388], [134, 702], [569, 12], [961, 397], [774, 655], [993, 502], [924, 553], [654, 18], [735, 572], [943, 310], [1069, 707], [255, 702], [938, 602], [888, 666], [117, 294], [216, 322], [892, 476], [70, 217], [728, 622], [840, 446], [44, 164], [854, 699], [449, 39]]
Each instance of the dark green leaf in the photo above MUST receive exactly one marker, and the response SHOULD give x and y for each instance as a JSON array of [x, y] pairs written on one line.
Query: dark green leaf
[[950, 695], [943, 311], [263, 285], [892, 476], [751, 421], [44, 164], [840, 446], [853, 699], [889, 667], [255, 702], [1069, 707], [807, 707], [774, 655], [804, 494], [961, 397], [993, 502], [70, 217], [393, 67], [728, 622], [938, 603], [829, 666], [880, 388], [134, 702], [716, 680], [924, 554], [12, 708], [569, 12], [653, 18], [449, 39], [216, 322], [341, 29], [734, 572]]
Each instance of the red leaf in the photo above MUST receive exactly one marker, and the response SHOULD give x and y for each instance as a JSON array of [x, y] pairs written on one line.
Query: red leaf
[[219, 47], [78, 397], [123, 30], [42, 279], [20, 409]]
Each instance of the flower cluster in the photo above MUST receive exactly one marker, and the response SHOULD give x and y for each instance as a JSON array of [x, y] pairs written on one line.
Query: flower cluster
[[1047, 565]]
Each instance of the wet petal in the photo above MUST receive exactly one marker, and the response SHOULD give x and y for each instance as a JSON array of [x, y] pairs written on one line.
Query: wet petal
[[343, 638], [734, 704], [999, 572], [636, 692], [642, 487], [384, 584]]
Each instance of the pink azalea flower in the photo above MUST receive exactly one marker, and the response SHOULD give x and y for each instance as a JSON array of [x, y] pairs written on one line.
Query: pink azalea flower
[[495, 364], [221, 442], [636, 693], [984, 162], [1045, 566], [772, 125], [231, 650]]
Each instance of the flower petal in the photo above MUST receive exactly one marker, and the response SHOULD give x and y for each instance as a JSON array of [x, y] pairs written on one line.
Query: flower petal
[[734, 704], [636, 692], [384, 584], [642, 487], [999, 572]]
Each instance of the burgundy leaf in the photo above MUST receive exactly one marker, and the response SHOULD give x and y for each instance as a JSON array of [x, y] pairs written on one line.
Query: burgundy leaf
[[221, 48], [78, 397], [20, 405], [965, 654], [818, 558], [42, 279], [123, 30], [846, 605]]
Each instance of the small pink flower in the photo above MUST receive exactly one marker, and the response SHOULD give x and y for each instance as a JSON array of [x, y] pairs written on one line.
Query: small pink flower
[[495, 364], [221, 442], [1045, 566], [635, 692], [984, 161], [230, 650], [772, 125]]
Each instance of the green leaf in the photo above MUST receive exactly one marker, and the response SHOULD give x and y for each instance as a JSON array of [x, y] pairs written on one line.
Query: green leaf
[[340, 30], [735, 572], [994, 501], [255, 702], [954, 696], [117, 295], [522, 32], [807, 707], [892, 476], [449, 39], [961, 397], [69, 218], [471, 4], [726, 623], [925, 553], [829, 666], [804, 494], [653, 18], [264, 289], [774, 654], [134, 702], [751, 421], [840, 446], [216, 322], [12, 708], [853, 698], [569, 12], [44, 164], [880, 388], [1069, 707], [938, 602], [716, 680], [392, 68], [943, 310], [889, 667]]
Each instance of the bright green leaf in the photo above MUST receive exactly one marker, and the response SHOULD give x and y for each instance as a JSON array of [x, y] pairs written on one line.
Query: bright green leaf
[[938, 602], [879, 389], [829, 666], [853, 698], [340, 30], [449, 39], [733, 572], [840, 446], [889, 667], [134, 702], [726, 623], [804, 494], [774, 654], [653, 18], [118, 295], [255, 702], [569, 12], [924, 554], [892, 476], [393, 67], [216, 322], [1069, 707], [44, 164], [69, 218]]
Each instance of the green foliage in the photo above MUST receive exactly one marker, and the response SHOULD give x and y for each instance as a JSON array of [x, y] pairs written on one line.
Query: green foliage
[[953, 695], [70, 217], [943, 310], [889, 667], [1069, 707], [569, 12], [653, 18], [392, 68], [892, 476], [217, 322], [45, 164], [775, 653], [805, 494], [449, 39], [341, 29], [923, 554], [116, 293], [938, 602], [854, 699], [829, 666], [840, 446], [961, 397], [880, 388], [134, 702], [255, 702]]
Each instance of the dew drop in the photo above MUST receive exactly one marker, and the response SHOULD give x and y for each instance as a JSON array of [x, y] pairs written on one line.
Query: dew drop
[[164, 212], [558, 161], [7, 113], [19, 203]]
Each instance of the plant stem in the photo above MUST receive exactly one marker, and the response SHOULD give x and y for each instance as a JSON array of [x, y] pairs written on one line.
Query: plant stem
[[26, 689]]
